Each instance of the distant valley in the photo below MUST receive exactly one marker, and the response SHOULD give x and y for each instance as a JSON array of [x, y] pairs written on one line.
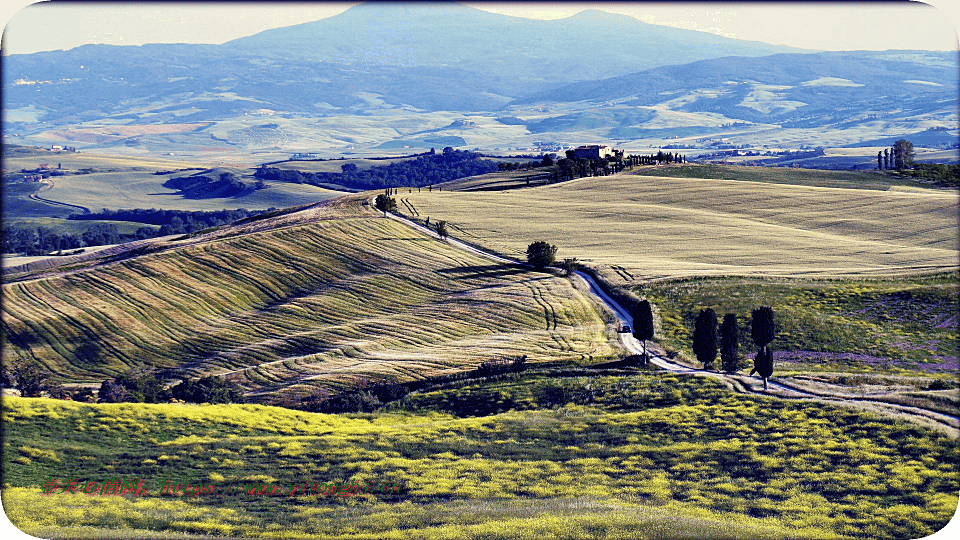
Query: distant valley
[[417, 79]]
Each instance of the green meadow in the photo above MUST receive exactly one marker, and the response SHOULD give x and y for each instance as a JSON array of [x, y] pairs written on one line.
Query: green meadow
[[906, 323], [554, 453]]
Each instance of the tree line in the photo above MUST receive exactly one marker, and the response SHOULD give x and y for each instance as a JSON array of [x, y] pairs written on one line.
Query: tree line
[[707, 337], [898, 157], [136, 385], [424, 170], [42, 240]]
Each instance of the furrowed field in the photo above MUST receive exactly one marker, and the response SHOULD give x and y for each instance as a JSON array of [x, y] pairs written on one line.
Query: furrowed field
[[327, 297], [860, 271], [578, 454], [310, 302], [639, 228]]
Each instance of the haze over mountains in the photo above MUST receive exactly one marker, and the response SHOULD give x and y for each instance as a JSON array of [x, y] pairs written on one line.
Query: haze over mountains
[[385, 76]]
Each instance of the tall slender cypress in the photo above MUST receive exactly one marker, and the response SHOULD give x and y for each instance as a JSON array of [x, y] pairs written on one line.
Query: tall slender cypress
[[705, 337], [729, 343]]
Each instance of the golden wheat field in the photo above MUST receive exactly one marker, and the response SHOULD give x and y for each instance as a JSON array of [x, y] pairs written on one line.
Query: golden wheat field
[[632, 227], [311, 299]]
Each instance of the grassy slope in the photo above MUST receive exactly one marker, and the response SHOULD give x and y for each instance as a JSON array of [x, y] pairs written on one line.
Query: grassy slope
[[584, 456], [317, 298], [912, 320], [657, 227]]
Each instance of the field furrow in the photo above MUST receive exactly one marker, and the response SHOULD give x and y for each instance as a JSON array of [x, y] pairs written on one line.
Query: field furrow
[[297, 308]]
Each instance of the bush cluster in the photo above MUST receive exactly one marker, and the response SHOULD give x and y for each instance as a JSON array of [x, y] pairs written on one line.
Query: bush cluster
[[425, 170]]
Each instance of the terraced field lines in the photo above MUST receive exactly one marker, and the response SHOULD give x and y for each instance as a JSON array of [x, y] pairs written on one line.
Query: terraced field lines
[[297, 307], [653, 227]]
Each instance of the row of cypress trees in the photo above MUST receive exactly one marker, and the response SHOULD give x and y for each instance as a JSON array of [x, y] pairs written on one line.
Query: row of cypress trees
[[706, 338]]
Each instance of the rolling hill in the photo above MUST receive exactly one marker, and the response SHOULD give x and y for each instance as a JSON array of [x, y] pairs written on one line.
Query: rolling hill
[[384, 77], [291, 305], [660, 227]]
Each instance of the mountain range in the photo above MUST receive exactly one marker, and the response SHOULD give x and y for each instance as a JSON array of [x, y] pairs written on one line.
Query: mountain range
[[417, 68]]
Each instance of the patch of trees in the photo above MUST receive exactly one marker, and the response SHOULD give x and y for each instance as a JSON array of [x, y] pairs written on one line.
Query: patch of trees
[[501, 366], [45, 240], [31, 378], [936, 174], [207, 390], [546, 161], [141, 385], [706, 339], [425, 170], [368, 396], [138, 385], [385, 204], [226, 184], [189, 221], [899, 156]]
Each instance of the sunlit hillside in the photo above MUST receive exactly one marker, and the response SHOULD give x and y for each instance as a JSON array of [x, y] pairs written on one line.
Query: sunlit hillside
[[321, 297], [656, 227]]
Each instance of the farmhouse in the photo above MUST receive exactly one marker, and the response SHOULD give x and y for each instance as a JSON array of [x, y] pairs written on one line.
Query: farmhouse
[[592, 151]]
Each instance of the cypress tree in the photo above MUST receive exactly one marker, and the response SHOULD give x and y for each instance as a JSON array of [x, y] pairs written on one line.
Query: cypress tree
[[643, 325], [705, 337], [729, 343], [762, 330]]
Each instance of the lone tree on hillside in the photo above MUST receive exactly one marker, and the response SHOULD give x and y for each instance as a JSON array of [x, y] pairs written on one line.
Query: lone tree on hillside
[[541, 254], [385, 204], [705, 337], [762, 330], [441, 228], [729, 343], [903, 154], [643, 324]]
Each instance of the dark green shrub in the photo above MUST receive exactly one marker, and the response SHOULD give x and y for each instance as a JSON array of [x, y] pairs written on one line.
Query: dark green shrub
[[540, 254], [208, 390]]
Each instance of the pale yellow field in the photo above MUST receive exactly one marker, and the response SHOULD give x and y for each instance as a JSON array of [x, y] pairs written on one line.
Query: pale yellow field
[[656, 227]]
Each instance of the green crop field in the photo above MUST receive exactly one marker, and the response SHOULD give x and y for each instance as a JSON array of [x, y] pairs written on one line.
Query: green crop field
[[658, 227], [581, 455], [332, 295]]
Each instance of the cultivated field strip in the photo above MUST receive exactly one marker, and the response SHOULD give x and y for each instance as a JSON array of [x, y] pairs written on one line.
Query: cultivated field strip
[[303, 305], [654, 227]]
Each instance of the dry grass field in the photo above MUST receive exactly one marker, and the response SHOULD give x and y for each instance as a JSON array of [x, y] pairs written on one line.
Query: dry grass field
[[634, 228], [29, 158], [284, 305]]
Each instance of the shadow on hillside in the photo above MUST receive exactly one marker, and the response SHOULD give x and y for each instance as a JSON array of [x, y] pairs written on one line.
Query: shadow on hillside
[[488, 271]]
